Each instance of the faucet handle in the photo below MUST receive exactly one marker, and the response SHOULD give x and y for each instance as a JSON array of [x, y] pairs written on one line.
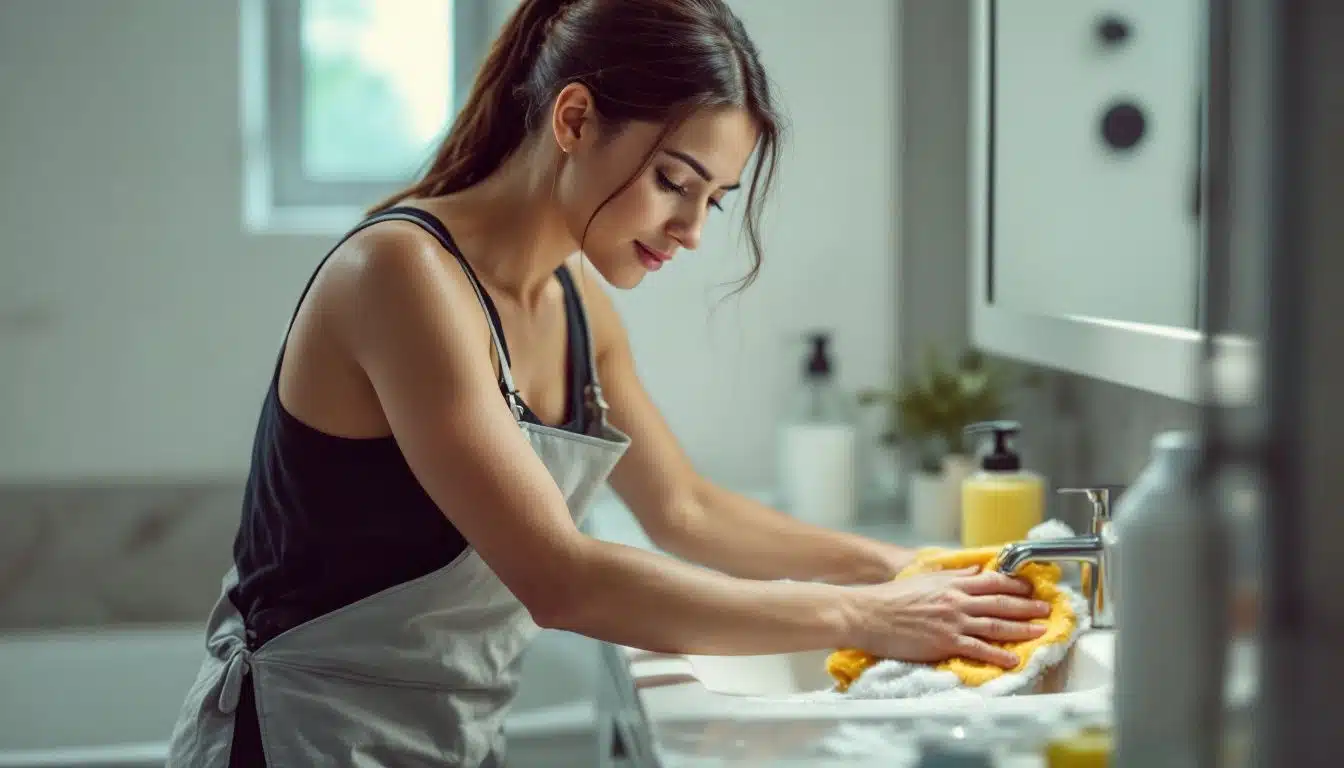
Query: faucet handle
[[1101, 497]]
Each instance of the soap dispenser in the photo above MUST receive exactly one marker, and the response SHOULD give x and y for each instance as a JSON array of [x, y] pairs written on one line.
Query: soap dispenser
[[818, 463], [1001, 502]]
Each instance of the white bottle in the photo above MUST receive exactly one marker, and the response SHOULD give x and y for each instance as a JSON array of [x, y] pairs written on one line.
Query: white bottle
[[1162, 641], [818, 444]]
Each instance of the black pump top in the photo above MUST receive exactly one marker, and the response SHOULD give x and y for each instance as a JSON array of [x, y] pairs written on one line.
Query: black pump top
[[1001, 457], [818, 364]]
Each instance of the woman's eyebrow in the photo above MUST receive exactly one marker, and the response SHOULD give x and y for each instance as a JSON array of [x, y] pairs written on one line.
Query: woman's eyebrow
[[699, 168]]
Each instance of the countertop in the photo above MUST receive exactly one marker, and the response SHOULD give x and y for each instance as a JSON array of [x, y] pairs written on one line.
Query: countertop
[[686, 726]]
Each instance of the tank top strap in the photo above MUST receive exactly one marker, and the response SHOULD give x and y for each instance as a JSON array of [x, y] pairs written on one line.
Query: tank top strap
[[433, 226], [595, 405], [431, 223]]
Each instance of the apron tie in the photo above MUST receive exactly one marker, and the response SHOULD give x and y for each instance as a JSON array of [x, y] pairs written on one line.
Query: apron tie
[[239, 664]]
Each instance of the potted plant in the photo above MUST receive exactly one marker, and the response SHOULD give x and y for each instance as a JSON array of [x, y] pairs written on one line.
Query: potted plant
[[927, 414]]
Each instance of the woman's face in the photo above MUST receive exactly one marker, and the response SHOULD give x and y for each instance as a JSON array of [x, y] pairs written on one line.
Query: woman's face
[[664, 209]]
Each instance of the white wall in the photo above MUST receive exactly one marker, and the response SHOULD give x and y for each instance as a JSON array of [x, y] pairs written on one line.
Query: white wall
[[139, 323]]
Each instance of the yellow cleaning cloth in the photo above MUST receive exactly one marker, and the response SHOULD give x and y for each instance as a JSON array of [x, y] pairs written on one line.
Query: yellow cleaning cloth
[[847, 664]]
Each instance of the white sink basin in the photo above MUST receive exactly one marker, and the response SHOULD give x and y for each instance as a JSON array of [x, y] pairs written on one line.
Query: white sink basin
[[1086, 668], [792, 684], [777, 675]]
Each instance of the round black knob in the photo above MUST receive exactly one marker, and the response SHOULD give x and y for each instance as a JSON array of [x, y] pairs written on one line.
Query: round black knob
[[1112, 30], [1123, 125]]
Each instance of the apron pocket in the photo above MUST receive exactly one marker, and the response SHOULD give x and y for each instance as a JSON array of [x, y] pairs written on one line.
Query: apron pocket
[[309, 717]]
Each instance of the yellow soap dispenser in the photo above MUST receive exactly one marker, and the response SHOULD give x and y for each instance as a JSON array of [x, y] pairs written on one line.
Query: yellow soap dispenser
[[1002, 501]]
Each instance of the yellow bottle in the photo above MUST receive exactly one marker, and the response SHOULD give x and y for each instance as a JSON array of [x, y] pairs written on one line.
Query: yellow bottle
[[1089, 749], [1001, 502]]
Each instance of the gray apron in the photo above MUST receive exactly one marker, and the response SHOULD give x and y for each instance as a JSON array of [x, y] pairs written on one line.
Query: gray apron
[[419, 674]]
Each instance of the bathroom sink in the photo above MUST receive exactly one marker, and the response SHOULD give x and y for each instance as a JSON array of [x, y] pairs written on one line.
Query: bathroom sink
[[775, 675], [791, 677], [1088, 667]]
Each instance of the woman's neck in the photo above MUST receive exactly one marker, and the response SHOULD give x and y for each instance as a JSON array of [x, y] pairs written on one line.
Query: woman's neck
[[508, 226]]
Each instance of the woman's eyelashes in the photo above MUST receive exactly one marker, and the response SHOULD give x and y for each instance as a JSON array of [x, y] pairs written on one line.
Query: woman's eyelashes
[[681, 191]]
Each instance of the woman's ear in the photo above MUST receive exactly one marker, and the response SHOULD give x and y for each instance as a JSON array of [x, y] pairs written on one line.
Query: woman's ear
[[573, 118]]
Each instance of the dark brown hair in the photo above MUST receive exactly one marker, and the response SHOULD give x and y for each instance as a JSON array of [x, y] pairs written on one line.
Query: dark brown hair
[[647, 60]]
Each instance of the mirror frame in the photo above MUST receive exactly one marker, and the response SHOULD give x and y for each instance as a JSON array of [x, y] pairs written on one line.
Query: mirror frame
[[1158, 359]]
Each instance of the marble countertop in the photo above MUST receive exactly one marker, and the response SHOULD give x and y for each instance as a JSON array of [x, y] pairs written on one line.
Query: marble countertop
[[691, 727]]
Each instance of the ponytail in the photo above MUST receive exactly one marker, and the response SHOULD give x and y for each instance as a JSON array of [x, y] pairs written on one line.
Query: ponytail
[[654, 61], [494, 120]]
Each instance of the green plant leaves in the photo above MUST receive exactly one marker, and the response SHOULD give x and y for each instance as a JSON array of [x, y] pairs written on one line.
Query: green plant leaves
[[933, 407]]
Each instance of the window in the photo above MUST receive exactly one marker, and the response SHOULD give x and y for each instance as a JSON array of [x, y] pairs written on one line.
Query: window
[[344, 101]]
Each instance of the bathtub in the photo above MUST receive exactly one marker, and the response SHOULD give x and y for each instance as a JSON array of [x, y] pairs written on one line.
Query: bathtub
[[107, 698]]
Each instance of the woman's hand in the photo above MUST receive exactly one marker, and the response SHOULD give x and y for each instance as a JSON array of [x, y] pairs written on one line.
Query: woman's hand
[[895, 558], [931, 617]]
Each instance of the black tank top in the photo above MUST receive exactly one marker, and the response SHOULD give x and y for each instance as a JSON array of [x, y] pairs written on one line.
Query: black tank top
[[329, 520]]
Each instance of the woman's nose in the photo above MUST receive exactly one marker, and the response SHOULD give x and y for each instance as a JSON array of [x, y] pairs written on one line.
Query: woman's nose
[[686, 230]]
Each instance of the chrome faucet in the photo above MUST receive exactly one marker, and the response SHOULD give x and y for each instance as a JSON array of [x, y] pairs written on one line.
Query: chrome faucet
[[1092, 551]]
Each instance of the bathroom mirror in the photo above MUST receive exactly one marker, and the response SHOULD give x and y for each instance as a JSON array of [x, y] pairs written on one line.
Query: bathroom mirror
[[1088, 165], [1095, 137]]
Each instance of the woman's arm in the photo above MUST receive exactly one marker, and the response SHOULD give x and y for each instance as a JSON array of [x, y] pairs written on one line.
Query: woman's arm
[[695, 519], [412, 323], [741, 536]]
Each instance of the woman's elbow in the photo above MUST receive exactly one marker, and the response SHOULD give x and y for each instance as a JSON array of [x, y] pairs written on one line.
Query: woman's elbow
[[558, 591], [675, 528], [558, 607]]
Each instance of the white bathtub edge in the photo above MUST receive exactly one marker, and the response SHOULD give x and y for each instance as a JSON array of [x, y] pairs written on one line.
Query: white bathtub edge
[[120, 756], [562, 719]]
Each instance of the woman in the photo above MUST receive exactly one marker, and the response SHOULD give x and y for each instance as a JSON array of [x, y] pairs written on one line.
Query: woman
[[454, 387]]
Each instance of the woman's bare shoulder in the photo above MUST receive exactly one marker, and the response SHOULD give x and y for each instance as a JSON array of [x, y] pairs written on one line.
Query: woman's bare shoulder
[[395, 277]]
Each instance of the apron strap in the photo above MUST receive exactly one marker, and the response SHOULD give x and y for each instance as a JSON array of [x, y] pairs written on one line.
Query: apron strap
[[230, 690]]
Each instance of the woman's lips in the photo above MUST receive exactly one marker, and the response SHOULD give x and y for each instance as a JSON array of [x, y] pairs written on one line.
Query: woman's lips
[[651, 259]]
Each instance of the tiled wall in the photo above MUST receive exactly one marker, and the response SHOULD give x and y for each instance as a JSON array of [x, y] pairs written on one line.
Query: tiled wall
[[1087, 432], [117, 554], [98, 555], [156, 553]]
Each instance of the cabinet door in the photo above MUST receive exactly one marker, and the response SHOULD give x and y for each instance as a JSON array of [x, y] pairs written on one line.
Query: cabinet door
[[1095, 158]]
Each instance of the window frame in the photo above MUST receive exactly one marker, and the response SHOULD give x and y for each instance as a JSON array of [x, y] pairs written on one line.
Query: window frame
[[277, 195]]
